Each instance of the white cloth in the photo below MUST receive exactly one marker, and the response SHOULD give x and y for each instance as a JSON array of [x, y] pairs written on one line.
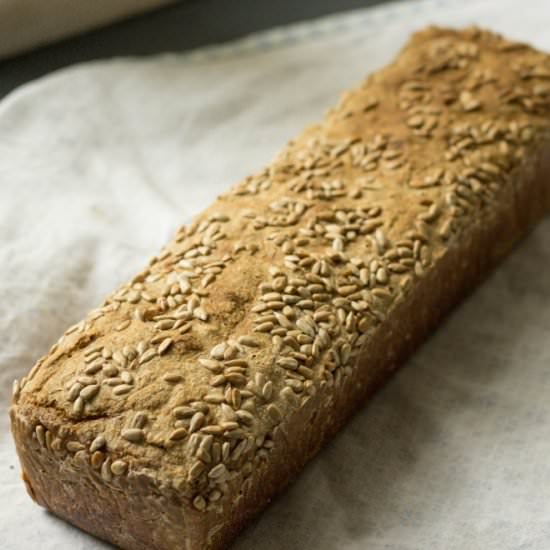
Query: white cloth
[[25, 24], [100, 163]]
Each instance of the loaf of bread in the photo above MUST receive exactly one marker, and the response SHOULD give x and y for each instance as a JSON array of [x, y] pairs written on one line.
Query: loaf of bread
[[175, 411]]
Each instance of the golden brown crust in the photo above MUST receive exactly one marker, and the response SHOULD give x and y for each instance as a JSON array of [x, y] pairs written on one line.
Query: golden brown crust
[[200, 388]]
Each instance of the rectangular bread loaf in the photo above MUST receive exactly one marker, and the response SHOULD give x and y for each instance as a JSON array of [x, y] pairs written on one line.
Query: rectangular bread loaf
[[175, 411]]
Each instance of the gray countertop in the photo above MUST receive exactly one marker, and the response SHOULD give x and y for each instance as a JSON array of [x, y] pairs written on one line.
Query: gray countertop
[[183, 26]]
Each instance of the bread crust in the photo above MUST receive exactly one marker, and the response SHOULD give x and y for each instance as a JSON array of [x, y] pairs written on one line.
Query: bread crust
[[177, 410]]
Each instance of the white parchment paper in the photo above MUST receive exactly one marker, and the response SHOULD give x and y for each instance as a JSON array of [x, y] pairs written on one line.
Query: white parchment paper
[[100, 163]]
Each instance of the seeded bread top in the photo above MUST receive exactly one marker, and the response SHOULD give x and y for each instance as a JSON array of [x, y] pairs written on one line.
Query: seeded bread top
[[184, 373]]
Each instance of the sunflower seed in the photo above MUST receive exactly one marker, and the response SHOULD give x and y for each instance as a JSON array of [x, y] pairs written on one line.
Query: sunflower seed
[[74, 446], [147, 356], [287, 363], [74, 391], [78, 407], [172, 378], [40, 434], [264, 327], [235, 378], [106, 473], [120, 359], [218, 473], [274, 413], [199, 503], [16, 389], [211, 364], [248, 341], [98, 443], [165, 346], [96, 460], [184, 412], [178, 434], [197, 421], [119, 467], [267, 391], [215, 398], [289, 395], [217, 351], [200, 314], [94, 367], [110, 370], [306, 327], [121, 389], [196, 470], [134, 435], [127, 377], [89, 392], [123, 325]]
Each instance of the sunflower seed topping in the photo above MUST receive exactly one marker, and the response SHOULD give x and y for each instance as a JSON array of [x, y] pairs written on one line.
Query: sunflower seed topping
[[134, 435]]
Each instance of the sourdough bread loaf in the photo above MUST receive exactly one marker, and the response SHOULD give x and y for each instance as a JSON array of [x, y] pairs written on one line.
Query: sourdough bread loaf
[[175, 411]]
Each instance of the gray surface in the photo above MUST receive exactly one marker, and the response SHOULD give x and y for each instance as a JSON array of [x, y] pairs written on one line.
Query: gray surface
[[186, 25]]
